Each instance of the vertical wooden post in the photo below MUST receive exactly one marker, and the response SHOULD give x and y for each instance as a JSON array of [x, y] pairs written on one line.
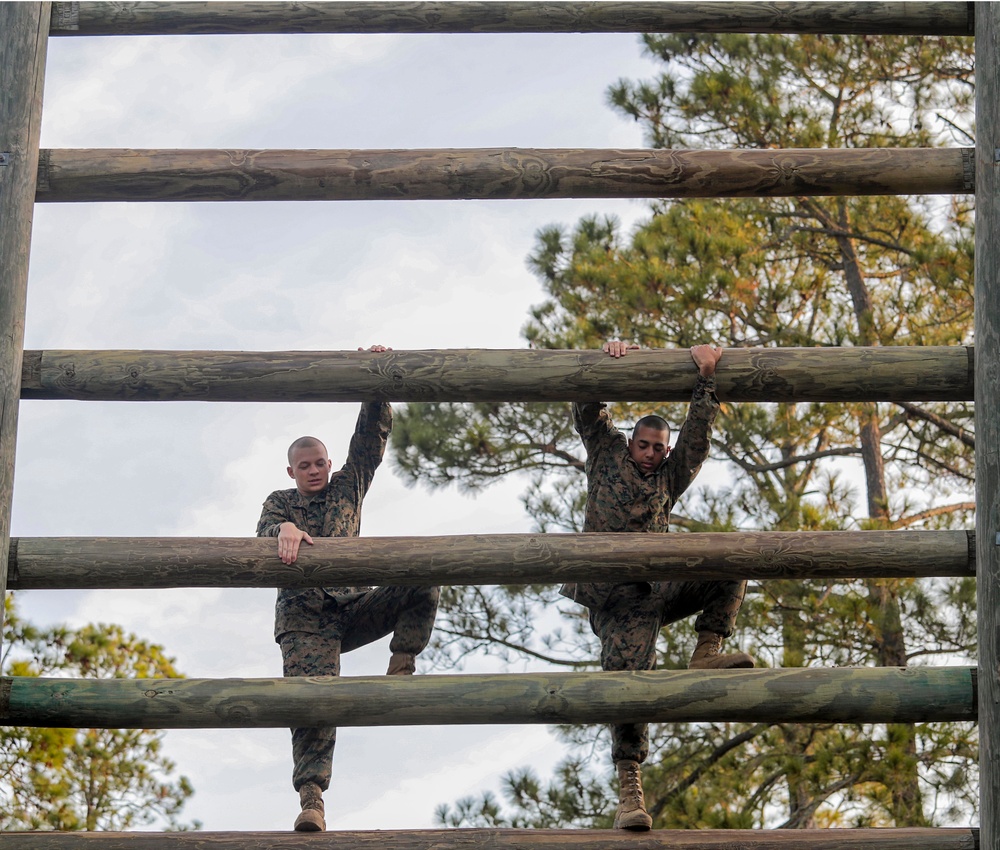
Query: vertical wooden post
[[24, 34], [987, 394]]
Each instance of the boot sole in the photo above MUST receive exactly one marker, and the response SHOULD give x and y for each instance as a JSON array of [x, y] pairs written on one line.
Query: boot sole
[[309, 823], [635, 824]]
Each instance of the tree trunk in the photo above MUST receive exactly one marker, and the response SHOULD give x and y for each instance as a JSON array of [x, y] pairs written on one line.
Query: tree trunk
[[883, 599]]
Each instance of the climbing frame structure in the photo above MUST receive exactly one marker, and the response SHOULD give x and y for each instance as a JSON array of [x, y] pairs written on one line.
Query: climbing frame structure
[[871, 695]]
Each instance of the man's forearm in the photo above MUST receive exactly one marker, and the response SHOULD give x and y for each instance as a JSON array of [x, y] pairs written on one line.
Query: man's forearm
[[270, 522]]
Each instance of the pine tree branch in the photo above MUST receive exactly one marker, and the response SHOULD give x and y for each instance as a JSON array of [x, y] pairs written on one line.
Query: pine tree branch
[[715, 756], [939, 422], [791, 461], [955, 648], [506, 644], [803, 815], [903, 522], [838, 233], [947, 467], [551, 449], [969, 138]]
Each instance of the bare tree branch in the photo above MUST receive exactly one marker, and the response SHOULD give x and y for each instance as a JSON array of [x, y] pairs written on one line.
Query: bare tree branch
[[716, 755], [551, 449], [903, 522], [791, 461], [939, 422], [493, 639]]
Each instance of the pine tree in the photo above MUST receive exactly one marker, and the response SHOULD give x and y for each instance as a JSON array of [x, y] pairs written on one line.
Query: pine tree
[[806, 271]]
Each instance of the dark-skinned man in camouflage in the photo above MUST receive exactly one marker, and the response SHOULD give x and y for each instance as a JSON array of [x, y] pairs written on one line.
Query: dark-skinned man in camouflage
[[315, 625], [632, 485]]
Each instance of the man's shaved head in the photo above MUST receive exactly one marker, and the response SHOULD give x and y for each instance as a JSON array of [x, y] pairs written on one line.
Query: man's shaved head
[[657, 423], [304, 443]]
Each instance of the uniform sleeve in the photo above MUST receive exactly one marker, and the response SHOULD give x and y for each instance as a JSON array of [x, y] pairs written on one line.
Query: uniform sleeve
[[593, 424], [272, 515], [693, 440], [368, 444]]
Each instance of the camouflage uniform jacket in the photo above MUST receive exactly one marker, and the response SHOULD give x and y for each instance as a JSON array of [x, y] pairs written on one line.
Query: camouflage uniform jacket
[[620, 497], [335, 512]]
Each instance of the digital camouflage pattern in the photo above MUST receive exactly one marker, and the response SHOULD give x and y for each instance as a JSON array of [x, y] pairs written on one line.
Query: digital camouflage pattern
[[407, 612], [631, 618], [628, 616], [620, 497], [335, 512], [314, 625]]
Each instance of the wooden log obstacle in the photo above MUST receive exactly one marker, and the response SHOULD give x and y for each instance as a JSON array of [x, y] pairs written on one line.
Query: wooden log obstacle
[[452, 16], [877, 695], [792, 695], [880, 373], [508, 839], [116, 563], [495, 174]]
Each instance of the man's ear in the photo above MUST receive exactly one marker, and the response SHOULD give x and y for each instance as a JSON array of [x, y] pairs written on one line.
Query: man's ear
[[291, 474]]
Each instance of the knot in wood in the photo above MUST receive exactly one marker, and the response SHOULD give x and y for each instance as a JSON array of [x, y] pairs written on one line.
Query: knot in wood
[[236, 714]]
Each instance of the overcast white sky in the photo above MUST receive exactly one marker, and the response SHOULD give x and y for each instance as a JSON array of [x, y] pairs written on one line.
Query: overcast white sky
[[274, 276]]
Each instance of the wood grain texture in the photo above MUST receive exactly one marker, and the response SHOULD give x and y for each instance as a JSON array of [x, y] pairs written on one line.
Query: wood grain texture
[[904, 373], [810, 695], [23, 43], [155, 562], [987, 329], [951, 838], [153, 18], [494, 173]]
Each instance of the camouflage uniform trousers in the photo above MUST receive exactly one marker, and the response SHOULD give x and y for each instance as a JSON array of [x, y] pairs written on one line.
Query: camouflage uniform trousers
[[407, 612], [629, 622]]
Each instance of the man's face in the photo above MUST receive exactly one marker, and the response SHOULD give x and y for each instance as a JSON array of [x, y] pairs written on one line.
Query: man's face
[[311, 469], [649, 447]]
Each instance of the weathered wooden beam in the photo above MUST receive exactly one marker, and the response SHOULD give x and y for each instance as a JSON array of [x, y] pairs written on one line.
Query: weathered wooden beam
[[154, 562], [949, 838], [495, 173], [149, 18], [885, 373], [810, 695], [23, 42], [987, 330]]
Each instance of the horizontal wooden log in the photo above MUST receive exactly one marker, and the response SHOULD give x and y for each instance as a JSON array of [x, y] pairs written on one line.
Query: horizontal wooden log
[[103, 562], [903, 373], [948, 838], [150, 18], [809, 695], [495, 174]]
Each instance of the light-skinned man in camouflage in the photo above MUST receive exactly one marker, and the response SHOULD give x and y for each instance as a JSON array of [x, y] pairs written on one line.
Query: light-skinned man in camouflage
[[632, 485], [315, 625]]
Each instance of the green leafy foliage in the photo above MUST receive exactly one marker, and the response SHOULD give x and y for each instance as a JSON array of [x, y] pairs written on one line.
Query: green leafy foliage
[[85, 779]]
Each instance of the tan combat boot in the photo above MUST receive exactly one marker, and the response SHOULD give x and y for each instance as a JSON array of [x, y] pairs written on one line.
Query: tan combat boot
[[631, 812], [707, 656], [402, 664], [311, 818]]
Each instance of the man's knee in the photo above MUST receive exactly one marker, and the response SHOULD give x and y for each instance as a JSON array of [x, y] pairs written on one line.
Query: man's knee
[[431, 595], [306, 654]]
